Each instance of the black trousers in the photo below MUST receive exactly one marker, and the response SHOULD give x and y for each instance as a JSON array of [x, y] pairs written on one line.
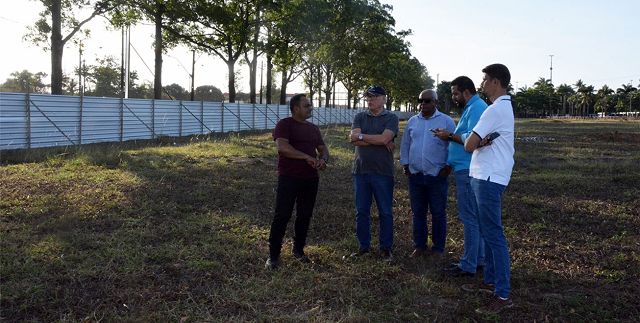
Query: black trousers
[[292, 191]]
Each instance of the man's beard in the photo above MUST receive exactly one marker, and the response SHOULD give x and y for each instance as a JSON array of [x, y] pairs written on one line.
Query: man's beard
[[460, 105]]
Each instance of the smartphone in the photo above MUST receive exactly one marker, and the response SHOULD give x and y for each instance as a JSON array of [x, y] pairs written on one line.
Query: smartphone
[[492, 136], [432, 130]]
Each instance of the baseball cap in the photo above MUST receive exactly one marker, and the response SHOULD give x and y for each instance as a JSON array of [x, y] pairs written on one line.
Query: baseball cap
[[376, 90]]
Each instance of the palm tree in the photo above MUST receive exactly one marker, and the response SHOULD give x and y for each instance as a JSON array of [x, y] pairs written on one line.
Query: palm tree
[[544, 85], [603, 97], [585, 96], [566, 91], [626, 92]]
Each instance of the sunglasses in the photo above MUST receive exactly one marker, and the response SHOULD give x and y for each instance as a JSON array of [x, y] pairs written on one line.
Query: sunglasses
[[427, 101]]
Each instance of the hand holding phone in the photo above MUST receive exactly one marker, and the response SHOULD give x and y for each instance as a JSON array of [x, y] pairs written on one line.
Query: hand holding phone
[[488, 140]]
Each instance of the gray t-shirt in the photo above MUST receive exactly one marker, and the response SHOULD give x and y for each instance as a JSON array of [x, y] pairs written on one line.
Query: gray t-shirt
[[374, 159]]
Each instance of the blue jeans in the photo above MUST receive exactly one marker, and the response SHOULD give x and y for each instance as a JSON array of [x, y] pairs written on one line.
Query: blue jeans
[[489, 198], [380, 187], [292, 191], [468, 212], [429, 192]]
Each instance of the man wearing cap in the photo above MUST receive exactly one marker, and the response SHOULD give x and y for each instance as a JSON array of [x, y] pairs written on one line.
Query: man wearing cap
[[297, 141], [372, 134], [463, 93], [424, 159]]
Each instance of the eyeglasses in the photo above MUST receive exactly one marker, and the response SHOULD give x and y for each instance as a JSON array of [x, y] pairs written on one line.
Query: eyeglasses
[[427, 101], [372, 97]]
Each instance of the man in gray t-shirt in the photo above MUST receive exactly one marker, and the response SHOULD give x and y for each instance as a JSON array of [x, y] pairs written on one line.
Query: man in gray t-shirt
[[372, 134]]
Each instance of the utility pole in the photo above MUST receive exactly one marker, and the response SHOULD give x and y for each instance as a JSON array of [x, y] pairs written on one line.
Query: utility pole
[[550, 85]]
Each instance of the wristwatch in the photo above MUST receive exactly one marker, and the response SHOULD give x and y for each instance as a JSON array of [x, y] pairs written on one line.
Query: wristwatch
[[450, 136], [360, 137]]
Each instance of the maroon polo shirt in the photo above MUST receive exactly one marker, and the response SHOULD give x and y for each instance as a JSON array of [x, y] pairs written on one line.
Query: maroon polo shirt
[[304, 137]]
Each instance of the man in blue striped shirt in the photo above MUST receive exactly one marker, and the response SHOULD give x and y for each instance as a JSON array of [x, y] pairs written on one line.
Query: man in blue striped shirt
[[424, 158]]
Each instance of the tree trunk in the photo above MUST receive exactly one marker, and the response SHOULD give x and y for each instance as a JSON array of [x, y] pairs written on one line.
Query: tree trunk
[[269, 77], [57, 47], [157, 83], [232, 81], [283, 88], [327, 92]]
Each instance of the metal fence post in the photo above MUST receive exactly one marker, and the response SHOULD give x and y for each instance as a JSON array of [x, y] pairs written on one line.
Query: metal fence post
[[180, 107], [153, 119], [28, 117], [121, 120], [80, 123]]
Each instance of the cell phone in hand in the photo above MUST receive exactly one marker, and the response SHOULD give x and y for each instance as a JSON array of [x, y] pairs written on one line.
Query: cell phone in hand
[[492, 136], [432, 130]]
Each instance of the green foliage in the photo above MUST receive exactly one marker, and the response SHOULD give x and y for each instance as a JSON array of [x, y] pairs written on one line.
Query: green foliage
[[208, 93], [25, 81]]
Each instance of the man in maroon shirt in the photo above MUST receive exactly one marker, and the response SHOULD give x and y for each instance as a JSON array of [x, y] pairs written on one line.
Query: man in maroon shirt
[[297, 141]]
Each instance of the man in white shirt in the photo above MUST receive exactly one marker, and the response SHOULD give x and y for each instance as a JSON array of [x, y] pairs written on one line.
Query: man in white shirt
[[490, 171]]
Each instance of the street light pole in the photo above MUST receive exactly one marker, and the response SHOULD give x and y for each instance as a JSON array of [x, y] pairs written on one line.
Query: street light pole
[[550, 85]]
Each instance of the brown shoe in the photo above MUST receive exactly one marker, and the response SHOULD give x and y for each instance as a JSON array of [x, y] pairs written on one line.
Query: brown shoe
[[495, 305], [437, 256], [482, 287], [417, 254]]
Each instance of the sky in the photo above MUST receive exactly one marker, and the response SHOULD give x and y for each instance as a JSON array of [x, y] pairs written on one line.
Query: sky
[[597, 42]]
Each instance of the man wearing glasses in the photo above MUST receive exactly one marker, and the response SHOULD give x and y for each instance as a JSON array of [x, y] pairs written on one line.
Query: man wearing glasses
[[424, 158], [372, 134], [297, 141]]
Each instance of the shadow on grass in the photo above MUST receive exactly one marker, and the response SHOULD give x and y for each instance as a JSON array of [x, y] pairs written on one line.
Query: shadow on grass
[[178, 233]]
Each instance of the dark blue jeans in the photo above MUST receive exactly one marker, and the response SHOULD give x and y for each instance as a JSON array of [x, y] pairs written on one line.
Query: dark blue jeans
[[468, 212], [489, 199], [367, 187], [292, 191], [429, 192]]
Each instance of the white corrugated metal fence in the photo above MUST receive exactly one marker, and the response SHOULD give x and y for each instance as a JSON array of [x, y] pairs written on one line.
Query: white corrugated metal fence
[[42, 120]]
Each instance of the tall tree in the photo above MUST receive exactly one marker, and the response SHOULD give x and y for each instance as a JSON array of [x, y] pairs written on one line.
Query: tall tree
[[163, 14], [603, 99], [626, 93], [221, 27], [58, 17], [565, 91]]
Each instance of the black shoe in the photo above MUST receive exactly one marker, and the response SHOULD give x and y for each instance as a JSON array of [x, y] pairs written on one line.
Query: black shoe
[[300, 256], [271, 264], [457, 272], [387, 256]]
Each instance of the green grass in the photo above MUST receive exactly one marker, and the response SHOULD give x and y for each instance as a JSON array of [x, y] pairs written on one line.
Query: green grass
[[160, 232]]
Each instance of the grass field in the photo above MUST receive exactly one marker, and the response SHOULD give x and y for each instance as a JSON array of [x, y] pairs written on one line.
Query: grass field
[[164, 232]]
